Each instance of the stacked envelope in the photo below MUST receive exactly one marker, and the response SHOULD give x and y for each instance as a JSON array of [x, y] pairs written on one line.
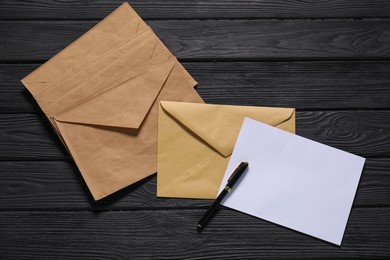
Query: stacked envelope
[[102, 96]]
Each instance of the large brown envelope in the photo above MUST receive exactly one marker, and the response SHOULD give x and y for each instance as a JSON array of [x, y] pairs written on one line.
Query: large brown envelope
[[195, 142], [100, 96]]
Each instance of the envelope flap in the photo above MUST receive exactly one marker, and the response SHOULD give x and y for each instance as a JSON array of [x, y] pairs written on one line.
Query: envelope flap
[[124, 105], [219, 125]]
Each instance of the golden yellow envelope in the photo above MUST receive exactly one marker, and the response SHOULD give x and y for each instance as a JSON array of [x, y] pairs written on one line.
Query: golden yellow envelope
[[101, 96], [195, 142]]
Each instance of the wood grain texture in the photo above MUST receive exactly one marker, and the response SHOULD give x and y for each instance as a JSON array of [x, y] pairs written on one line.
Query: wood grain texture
[[57, 185], [365, 133], [171, 234], [27, 137], [218, 40], [199, 9], [309, 85]]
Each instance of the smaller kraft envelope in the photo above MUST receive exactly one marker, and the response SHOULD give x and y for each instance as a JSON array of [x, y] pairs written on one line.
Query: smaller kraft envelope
[[195, 142], [293, 181]]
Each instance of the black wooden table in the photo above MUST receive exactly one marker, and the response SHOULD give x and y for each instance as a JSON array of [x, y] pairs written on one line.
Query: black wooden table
[[329, 59]]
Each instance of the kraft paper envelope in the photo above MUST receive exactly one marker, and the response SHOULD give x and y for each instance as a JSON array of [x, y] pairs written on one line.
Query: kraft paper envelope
[[293, 181], [101, 96], [195, 142]]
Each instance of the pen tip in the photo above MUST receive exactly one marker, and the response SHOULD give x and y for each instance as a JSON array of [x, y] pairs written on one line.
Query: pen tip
[[199, 228]]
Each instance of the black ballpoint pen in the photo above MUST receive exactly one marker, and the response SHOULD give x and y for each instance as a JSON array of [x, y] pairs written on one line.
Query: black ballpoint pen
[[231, 181]]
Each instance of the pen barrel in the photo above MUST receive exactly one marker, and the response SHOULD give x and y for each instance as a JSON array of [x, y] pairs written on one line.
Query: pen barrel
[[231, 181], [210, 211]]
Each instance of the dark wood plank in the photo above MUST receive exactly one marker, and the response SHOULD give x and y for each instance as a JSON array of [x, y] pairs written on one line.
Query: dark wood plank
[[309, 85], [29, 137], [218, 40], [171, 234], [57, 185], [366, 133], [306, 85], [186, 9]]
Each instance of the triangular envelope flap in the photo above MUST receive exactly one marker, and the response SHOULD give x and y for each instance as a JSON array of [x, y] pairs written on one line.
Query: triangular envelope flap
[[219, 125], [125, 105]]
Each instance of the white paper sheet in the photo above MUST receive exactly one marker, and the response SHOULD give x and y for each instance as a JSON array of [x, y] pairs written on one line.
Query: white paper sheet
[[293, 181]]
